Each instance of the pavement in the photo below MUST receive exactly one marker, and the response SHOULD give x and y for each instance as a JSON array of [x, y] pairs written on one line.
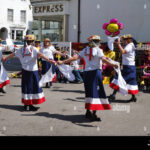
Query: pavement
[[63, 114]]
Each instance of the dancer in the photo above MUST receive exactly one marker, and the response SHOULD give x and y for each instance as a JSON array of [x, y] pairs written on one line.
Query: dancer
[[31, 93], [4, 80], [95, 97], [48, 50], [129, 69]]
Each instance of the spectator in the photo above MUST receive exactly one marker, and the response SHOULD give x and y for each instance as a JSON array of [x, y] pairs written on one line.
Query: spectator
[[76, 72], [39, 47], [146, 58], [108, 71]]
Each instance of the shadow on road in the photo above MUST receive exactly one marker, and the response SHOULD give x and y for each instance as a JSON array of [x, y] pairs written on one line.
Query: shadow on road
[[76, 119], [56, 87], [72, 91], [12, 107], [80, 98], [16, 85], [119, 101], [75, 100]]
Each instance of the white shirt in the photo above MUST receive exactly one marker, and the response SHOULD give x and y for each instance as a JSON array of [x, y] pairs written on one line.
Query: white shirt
[[28, 58], [0, 55], [1, 50], [129, 57], [48, 52], [96, 61], [76, 64]]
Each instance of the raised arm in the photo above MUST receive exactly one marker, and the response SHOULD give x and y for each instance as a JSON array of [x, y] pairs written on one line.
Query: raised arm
[[44, 57], [105, 60], [59, 53], [8, 57], [123, 51], [69, 59]]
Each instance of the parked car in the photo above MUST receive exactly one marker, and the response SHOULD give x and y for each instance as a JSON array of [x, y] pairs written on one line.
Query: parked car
[[18, 44], [7, 51], [3, 42]]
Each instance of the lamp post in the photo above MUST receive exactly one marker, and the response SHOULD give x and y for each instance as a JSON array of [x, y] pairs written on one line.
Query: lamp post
[[79, 16]]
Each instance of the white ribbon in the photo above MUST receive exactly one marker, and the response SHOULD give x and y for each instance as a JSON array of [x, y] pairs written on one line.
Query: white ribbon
[[120, 82], [110, 42]]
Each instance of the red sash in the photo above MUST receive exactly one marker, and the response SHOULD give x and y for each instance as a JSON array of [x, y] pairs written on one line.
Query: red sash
[[90, 55]]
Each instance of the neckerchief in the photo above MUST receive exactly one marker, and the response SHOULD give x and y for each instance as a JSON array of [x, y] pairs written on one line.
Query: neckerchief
[[25, 51], [90, 55], [89, 51]]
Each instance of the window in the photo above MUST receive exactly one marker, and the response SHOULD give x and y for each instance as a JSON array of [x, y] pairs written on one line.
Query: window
[[19, 35], [47, 24], [13, 34], [35, 24], [23, 16], [54, 25], [10, 15]]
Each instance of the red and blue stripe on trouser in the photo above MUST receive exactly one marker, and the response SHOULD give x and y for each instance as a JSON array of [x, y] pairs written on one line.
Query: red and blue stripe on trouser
[[129, 75], [95, 97], [31, 92]]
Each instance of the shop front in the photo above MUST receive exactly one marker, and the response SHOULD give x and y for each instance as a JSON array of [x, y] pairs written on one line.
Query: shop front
[[50, 20], [17, 34]]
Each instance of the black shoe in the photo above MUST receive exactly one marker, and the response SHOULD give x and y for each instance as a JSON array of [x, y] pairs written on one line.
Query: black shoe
[[133, 99], [3, 90], [26, 108], [89, 115], [30, 108], [96, 118], [111, 97], [47, 85], [33, 108], [79, 82]]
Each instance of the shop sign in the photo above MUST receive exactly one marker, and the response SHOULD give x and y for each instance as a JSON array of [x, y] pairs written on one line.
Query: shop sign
[[49, 9]]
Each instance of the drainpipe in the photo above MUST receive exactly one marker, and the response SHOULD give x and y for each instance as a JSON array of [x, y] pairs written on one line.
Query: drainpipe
[[79, 11]]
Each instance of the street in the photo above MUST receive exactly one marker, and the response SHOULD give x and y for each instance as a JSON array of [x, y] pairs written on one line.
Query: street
[[63, 114]]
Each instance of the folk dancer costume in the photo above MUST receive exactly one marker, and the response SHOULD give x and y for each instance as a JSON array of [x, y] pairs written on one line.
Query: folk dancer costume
[[48, 52], [4, 80], [32, 94], [128, 72], [95, 96]]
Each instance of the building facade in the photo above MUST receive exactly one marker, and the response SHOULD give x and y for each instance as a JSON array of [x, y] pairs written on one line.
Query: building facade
[[76, 20], [15, 19], [51, 19]]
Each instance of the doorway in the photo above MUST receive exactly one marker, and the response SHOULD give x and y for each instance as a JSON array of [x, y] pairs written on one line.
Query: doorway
[[3, 33]]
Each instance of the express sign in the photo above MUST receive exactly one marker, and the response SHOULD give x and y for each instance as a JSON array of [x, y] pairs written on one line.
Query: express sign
[[52, 8]]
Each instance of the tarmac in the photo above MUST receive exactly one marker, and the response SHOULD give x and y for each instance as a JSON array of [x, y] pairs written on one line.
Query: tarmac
[[63, 114]]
